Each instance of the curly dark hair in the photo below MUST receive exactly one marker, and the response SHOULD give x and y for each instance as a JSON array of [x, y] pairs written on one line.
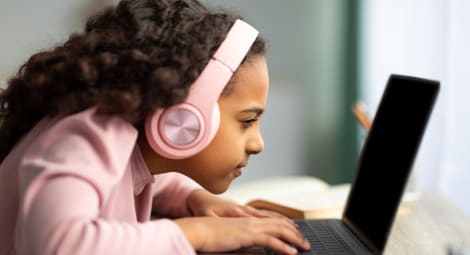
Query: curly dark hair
[[131, 59]]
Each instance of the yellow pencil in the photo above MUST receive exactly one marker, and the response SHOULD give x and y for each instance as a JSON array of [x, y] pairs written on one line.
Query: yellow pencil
[[359, 111]]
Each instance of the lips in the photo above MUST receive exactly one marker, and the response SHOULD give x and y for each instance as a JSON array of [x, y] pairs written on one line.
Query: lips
[[242, 165], [238, 171]]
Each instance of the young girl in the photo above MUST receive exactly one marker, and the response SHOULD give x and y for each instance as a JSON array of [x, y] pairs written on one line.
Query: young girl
[[102, 132]]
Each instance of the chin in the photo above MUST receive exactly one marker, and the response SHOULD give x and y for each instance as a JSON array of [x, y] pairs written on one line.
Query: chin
[[216, 189]]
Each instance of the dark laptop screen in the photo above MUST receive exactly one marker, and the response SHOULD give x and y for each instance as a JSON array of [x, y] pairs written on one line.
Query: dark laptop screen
[[387, 157]]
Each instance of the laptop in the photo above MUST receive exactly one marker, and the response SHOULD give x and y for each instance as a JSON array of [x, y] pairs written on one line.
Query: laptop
[[383, 169]]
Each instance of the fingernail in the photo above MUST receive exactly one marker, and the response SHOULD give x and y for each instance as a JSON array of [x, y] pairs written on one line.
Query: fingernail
[[293, 250], [307, 243], [293, 222]]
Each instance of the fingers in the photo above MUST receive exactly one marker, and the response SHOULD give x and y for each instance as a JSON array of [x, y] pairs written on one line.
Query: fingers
[[244, 211], [276, 245], [237, 211], [282, 235], [262, 213], [278, 234]]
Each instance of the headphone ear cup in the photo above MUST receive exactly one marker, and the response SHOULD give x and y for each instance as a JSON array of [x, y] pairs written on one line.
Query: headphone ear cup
[[152, 133], [181, 131]]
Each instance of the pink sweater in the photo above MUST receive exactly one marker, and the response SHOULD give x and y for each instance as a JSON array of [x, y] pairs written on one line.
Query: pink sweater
[[79, 185]]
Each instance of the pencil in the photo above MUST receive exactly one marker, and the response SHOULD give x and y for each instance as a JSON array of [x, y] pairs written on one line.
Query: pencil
[[360, 113]]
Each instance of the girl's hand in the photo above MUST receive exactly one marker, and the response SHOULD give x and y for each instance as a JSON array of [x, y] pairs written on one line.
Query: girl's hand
[[203, 203], [217, 234]]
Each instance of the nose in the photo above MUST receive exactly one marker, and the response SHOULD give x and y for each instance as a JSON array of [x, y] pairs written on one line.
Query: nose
[[255, 144]]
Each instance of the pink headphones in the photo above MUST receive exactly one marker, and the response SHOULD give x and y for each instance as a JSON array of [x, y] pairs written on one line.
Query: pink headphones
[[183, 130]]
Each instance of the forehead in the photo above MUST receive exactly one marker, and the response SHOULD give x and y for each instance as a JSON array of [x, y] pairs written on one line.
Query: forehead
[[251, 78]]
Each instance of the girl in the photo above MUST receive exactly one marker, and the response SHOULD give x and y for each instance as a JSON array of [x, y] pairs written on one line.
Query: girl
[[84, 128]]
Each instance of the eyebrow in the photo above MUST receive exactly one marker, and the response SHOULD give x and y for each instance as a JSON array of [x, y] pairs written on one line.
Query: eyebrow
[[256, 110]]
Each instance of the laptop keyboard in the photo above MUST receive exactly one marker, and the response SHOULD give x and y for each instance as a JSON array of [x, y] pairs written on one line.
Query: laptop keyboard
[[328, 237], [324, 238]]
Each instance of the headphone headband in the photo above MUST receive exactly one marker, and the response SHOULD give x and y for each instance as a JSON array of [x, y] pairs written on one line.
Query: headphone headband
[[229, 55], [185, 129]]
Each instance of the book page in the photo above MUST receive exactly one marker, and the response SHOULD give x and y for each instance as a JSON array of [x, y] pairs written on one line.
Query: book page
[[333, 197], [279, 188], [295, 195]]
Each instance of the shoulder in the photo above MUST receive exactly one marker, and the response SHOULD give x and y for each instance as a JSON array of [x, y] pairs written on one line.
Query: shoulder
[[85, 139]]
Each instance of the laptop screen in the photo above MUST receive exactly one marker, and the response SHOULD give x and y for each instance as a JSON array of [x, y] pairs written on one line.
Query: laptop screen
[[387, 157]]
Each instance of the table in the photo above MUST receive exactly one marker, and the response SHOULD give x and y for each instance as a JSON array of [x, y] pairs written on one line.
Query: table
[[428, 226]]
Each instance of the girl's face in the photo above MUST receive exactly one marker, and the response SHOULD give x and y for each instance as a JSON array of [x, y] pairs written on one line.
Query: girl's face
[[238, 136], [239, 133]]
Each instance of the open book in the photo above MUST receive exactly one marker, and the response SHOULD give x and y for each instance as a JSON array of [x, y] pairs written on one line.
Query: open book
[[295, 196], [292, 196]]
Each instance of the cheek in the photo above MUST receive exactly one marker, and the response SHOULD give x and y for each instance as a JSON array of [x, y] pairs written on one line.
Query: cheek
[[228, 136], [224, 145], [223, 149], [226, 149]]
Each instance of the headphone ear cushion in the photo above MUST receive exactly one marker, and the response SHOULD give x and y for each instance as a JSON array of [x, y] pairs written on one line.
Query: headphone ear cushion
[[215, 124], [160, 132], [152, 131]]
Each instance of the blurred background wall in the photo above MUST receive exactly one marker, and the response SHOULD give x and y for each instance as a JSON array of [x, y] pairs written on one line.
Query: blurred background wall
[[427, 38], [323, 56], [308, 127]]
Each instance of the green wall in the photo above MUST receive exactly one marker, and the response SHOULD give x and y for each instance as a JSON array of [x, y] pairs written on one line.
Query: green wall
[[328, 71]]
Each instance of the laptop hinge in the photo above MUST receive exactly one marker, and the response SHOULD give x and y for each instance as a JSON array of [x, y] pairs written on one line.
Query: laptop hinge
[[369, 244]]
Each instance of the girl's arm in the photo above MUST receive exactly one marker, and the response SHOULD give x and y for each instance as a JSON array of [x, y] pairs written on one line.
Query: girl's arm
[[176, 196], [63, 223], [68, 175], [171, 191]]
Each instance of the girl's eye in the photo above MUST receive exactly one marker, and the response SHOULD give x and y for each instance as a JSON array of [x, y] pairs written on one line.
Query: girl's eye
[[249, 122]]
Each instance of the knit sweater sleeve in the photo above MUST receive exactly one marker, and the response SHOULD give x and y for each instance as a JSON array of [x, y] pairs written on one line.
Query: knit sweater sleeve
[[171, 191], [65, 177]]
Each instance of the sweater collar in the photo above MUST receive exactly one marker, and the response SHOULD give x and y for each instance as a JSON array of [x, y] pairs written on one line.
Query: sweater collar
[[140, 173]]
